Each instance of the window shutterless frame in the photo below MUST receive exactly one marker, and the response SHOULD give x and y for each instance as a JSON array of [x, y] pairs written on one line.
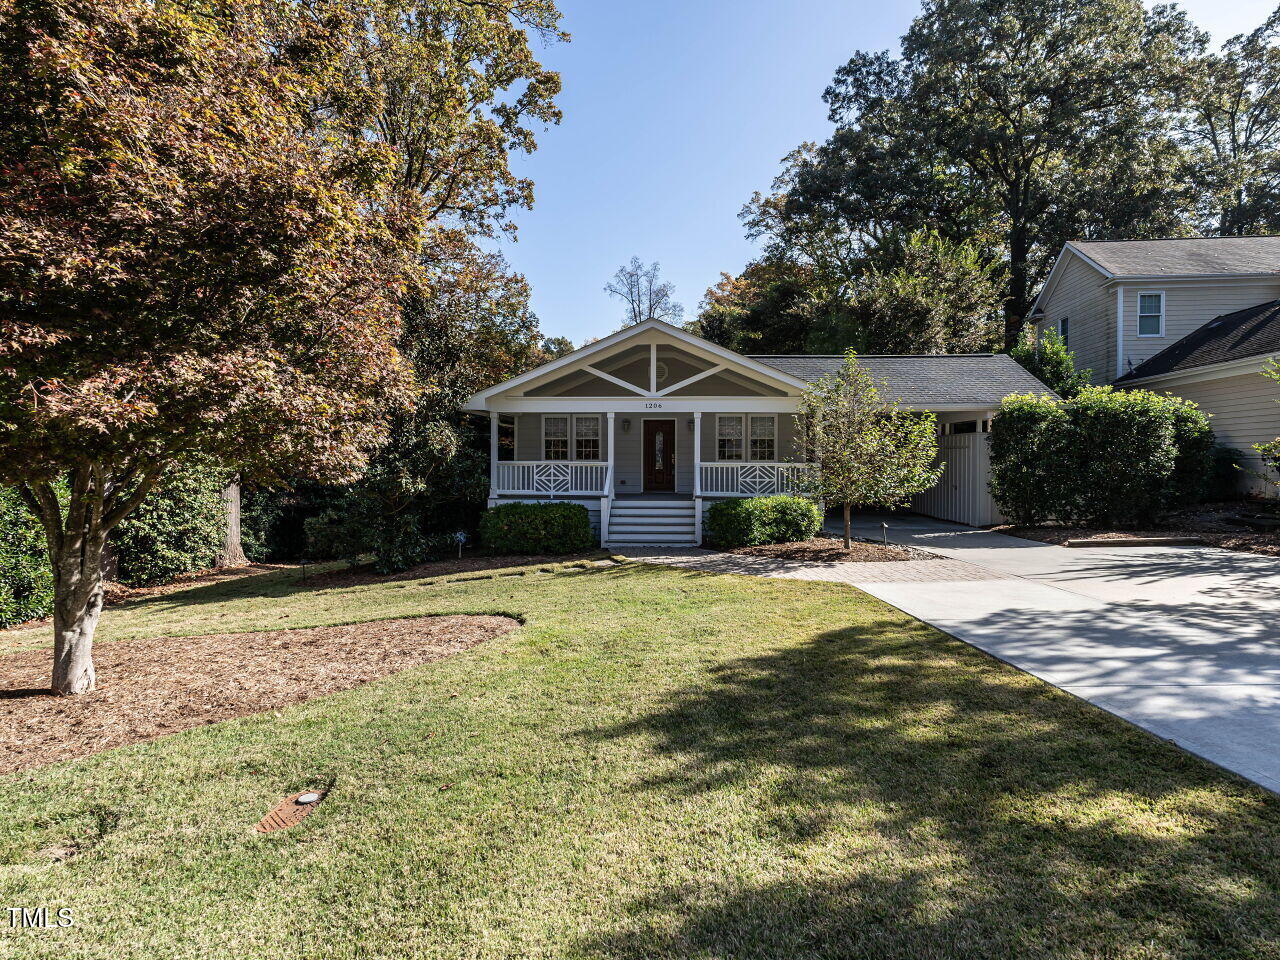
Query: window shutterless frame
[[1146, 312], [744, 419], [571, 436]]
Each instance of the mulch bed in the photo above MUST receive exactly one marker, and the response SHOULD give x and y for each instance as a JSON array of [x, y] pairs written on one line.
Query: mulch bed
[[1211, 522], [832, 549], [147, 689], [363, 574]]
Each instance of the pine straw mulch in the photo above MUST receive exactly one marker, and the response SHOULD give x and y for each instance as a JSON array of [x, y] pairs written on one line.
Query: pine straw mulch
[[1215, 524], [830, 549], [364, 574], [147, 689]]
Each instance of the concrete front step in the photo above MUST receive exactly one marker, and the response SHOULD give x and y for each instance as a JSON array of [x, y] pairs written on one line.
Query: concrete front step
[[650, 539]]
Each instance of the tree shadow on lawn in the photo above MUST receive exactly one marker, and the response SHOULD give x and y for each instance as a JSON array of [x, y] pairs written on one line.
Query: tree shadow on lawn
[[926, 801]]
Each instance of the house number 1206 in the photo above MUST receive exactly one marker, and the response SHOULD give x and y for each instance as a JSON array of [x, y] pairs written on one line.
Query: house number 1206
[[653, 406]]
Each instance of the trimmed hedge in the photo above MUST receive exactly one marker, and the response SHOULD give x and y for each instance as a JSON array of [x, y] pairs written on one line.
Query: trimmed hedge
[[551, 527], [26, 580], [1103, 458], [759, 520]]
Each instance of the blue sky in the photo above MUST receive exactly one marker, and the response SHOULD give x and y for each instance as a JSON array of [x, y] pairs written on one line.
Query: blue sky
[[674, 112]]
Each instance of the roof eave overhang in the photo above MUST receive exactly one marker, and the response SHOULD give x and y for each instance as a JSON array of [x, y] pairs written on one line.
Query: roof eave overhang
[[1208, 371]]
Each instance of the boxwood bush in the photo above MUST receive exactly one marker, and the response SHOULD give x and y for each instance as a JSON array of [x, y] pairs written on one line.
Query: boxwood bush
[[550, 527], [760, 520], [1103, 458]]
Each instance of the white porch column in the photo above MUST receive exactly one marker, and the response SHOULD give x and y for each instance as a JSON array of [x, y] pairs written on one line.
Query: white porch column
[[606, 502], [697, 455], [493, 454]]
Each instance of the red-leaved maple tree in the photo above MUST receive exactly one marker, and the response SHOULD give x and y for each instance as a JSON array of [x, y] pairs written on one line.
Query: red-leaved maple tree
[[195, 256]]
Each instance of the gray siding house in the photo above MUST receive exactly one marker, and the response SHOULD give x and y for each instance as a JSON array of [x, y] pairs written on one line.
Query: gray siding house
[[1198, 318], [647, 426]]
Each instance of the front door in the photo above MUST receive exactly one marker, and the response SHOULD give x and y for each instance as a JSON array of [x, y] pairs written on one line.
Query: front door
[[659, 456]]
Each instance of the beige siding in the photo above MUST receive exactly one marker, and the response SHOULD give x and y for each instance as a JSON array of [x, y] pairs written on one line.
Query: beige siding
[[1081, 294], [1188, 305], [1244, 412]]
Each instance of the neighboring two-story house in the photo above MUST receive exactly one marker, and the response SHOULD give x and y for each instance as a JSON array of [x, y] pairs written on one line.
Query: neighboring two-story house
[[1199, 318]]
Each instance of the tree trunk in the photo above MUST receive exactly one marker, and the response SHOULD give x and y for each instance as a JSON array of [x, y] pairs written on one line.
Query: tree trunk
[[232, 552], [1016, 305], [77, 605], [848, 526]]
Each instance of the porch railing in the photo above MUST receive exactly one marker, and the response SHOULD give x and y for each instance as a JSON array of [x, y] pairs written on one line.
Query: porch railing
[[552, 476], [720, 479]]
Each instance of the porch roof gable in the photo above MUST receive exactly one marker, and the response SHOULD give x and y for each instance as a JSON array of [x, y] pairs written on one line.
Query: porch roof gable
[[579, 359]]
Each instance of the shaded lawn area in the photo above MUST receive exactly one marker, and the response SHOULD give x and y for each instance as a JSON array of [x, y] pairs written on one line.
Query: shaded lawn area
[[660, 763]]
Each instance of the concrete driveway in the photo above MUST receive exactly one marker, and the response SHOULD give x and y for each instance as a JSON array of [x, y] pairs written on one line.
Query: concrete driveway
[[1184, 641]]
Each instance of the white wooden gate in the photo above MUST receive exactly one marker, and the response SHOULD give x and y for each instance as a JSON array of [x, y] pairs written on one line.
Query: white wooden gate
[[963, 494]]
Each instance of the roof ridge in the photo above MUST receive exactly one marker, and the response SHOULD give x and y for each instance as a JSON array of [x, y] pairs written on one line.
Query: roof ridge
[[1260, 236], [863, 356]]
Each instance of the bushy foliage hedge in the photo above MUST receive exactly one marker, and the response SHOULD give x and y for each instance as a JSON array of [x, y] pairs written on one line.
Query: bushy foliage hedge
[[550, 528], [1046, 357], [1104, 457], [178, 528], [26, 580], [760, 520]]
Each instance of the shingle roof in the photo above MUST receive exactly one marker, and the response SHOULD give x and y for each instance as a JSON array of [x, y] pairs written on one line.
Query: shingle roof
[[1251, 332], [980, 379], [1190, 257]]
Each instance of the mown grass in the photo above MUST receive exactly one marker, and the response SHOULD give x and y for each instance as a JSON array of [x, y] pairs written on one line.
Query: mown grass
[[660, 763]]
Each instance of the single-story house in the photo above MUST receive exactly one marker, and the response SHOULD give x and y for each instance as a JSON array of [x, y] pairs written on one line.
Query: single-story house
[[647, 426]]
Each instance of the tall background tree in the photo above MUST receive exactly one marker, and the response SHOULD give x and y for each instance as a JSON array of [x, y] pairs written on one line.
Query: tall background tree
[[1230, 125], [644, 294], [1010, 125]]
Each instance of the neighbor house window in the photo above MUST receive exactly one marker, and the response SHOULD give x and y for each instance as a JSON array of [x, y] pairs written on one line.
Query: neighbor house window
[[506, 436], [729, 444], [1064, 326], [555, 438], [1151, 314], [586, 438], [764, 431]]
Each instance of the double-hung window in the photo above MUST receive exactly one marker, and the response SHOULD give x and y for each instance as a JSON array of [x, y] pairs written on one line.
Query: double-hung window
[[555, 438], [566, 437], [586, 438], [1151, 314], [746, 437], [764, 436], [729, 442]]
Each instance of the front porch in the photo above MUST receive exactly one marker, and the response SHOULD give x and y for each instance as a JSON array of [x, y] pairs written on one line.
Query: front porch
[[644, 477]]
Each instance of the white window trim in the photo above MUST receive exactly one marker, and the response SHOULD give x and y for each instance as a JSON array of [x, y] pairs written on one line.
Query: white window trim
[[1137, 321], [573, 445], [573, 436], [542, 451], [1063, 330], [746, 436]]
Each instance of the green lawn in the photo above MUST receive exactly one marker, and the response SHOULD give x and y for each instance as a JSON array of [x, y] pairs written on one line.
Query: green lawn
[[661, 763]]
